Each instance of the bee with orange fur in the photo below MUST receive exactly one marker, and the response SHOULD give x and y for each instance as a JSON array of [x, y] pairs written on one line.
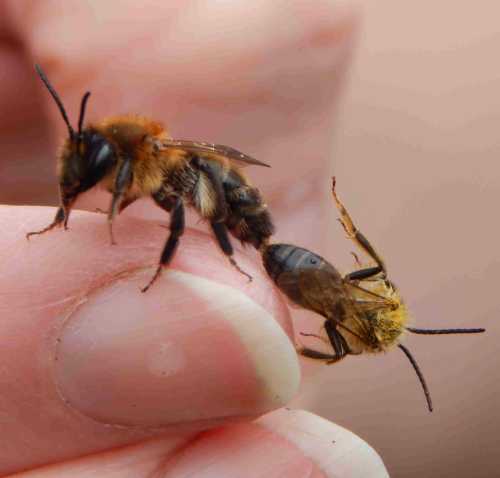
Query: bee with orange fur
[[133, 156], [363, 310]]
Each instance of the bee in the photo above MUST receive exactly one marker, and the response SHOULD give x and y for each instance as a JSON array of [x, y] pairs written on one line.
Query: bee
[[132, 156], [364, 311]]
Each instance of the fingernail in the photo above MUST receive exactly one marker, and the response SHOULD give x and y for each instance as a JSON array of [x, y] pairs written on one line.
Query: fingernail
[[334, 450], [189, 349]]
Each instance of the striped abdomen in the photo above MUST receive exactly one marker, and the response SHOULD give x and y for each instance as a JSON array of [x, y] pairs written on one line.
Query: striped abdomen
[[306, 278], [248, 218]]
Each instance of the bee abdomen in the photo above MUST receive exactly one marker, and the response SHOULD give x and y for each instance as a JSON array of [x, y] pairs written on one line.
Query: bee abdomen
[[287, 266], [280, 258], [248, 218]]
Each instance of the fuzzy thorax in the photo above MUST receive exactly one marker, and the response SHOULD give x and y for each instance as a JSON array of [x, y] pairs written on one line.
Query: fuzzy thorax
[[380, 324]]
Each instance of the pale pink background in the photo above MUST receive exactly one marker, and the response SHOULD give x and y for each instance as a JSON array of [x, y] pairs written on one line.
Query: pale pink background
[[417, 151]]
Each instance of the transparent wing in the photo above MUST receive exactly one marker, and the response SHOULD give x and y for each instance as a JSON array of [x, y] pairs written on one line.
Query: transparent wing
[[313, 289], [217, 149], [366, 300], [336, 298]]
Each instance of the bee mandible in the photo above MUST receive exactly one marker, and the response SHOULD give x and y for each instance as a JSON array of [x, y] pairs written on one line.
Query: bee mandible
[[132, 156], [363, 310]]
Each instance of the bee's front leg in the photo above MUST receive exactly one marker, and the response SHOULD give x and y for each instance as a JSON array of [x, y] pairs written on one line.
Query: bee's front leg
[[122, 182], [59, 220]]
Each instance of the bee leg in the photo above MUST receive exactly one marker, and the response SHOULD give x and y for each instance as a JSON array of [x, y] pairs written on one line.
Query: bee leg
[[211, 172], [316, 336], [220, 209], [220, 232], [176, 230], [123, 205], [337, 340], [122, 182], [353, 233], [58, 221], [363, 274], [316, 354]]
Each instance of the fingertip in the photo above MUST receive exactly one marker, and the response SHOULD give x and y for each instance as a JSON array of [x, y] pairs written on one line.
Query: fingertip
[[337, 451], [135, 359], [188, 350]]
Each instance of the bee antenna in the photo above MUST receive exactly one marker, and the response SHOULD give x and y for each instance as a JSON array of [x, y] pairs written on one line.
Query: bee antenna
[[444, 331], [83, 105], [58, 101], [419, 375]]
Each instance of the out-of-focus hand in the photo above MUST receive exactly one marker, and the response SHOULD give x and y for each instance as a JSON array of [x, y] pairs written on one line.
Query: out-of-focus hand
[[97, 379]]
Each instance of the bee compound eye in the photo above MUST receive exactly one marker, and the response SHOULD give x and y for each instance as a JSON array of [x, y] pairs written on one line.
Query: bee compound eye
[[103, 153]]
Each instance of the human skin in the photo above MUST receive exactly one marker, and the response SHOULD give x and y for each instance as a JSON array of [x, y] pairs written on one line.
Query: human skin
[[97, 378]]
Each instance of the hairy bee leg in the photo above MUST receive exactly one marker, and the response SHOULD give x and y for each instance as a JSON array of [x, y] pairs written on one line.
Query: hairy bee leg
[[58, 221], [338, 342], [122, 181], [210, 169], [357, 236], [176, 230], [220, 232]]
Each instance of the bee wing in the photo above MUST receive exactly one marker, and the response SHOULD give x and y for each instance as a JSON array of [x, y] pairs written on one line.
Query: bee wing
[[318, 290], [218, 149], [325, 291], [366, 300]]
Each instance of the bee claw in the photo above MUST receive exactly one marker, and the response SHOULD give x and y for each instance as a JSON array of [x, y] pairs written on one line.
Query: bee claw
[[111, 235], [153, 279], [240, 270]]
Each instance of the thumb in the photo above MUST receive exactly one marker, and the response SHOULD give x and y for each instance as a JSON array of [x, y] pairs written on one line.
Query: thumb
[[86, 347]]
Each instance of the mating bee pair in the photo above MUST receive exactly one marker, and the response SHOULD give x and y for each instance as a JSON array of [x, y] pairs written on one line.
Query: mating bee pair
[[132, 157]]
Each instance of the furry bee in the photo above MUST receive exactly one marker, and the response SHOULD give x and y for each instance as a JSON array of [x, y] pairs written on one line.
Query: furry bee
[[133, 156], [364, 311]]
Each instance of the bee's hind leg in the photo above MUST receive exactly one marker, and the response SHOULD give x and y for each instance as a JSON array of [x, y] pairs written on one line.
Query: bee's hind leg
[[210, 171], [58, 221]]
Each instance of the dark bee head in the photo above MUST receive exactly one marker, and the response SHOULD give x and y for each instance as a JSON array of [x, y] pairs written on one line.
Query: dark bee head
[[86, 155]]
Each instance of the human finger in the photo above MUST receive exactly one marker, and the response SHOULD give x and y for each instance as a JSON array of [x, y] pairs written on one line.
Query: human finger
[[290, 443], [90, 363]]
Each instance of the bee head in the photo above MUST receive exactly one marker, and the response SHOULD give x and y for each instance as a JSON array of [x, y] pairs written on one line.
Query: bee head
[[86, 155]]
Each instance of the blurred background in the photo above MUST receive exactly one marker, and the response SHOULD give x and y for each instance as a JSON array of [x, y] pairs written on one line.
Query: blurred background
[[416, 145], [416, 153]]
